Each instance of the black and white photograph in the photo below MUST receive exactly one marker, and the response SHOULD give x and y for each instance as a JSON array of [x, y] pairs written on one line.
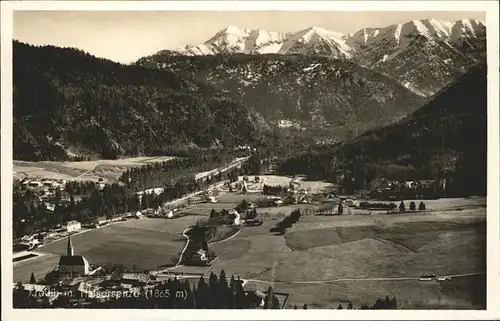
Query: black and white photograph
[[249, 159]]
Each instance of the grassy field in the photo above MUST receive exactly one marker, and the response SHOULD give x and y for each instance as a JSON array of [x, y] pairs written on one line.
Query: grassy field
[[410, 294], [447, 240], [145, 243], [107, 170]]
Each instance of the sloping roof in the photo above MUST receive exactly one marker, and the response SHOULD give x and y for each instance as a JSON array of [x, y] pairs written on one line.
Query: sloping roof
[[71, 281], [32, 287], [140, 277], [84, 287], [72, 260], [72, 223]]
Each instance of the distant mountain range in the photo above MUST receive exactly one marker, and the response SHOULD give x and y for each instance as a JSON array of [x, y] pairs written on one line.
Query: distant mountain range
[[423, 55]]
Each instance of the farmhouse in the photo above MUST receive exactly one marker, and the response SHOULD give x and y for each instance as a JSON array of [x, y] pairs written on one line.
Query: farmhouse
[[135, 278], [73, 264], [237, 218], [101, 220], [202, 254], [72, 226]]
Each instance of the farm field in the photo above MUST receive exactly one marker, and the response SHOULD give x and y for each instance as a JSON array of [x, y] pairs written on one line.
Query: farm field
[[107, 170], [447, 240], [459, 293], [145, 243]]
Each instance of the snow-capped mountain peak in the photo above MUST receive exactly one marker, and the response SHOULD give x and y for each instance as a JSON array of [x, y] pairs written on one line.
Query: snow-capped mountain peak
[[398, 50], [317, 40], [233, 39], [233, 30]]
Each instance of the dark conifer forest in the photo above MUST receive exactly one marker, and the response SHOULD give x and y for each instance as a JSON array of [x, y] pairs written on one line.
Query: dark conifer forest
[[68, 100]]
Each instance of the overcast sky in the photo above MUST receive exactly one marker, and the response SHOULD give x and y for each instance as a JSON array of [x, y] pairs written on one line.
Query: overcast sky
[[126, 36]]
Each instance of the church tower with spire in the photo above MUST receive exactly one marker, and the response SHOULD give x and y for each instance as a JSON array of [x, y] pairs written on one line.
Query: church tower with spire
[[69, 249], [72, 264]]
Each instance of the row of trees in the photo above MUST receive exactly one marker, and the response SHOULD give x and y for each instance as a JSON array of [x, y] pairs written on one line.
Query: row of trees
[[286, 223], [273, 190], [380, 304], [402, 207]]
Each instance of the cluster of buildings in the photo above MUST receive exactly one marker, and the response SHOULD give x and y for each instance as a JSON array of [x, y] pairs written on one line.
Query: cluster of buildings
[[45, 185], [74, 276], [393, 190]]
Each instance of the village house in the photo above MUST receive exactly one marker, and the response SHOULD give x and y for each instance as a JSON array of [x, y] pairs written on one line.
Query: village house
[[135, 279], [72, 226]]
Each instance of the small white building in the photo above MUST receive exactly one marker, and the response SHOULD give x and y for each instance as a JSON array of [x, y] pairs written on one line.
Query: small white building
[[237, 218], [202, 254], [72, 226]]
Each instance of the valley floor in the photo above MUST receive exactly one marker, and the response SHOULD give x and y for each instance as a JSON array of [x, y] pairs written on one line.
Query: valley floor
[[322, 261]]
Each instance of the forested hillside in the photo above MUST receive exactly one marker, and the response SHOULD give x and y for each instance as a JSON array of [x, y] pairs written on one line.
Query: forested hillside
[[444, 139], [68, 102]]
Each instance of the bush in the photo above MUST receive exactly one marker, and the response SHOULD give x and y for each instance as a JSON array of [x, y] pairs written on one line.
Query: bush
[[377, 206], [402, 207]]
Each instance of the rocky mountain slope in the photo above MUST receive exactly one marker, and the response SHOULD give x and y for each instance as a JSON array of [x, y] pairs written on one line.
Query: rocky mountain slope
[[423, 55], [439, 50], [298, 90], [67, 101]]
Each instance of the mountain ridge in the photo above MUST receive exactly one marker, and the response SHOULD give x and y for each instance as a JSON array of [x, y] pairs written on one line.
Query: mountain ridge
[[428, 27], [448, 47], [298, 90]]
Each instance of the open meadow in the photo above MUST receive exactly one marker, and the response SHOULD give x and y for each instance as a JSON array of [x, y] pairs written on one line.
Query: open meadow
[[326, 260], [107, 170], [146, 243]]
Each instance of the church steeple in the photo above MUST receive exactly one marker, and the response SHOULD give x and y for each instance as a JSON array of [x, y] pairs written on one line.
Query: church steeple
[[70, 251]]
